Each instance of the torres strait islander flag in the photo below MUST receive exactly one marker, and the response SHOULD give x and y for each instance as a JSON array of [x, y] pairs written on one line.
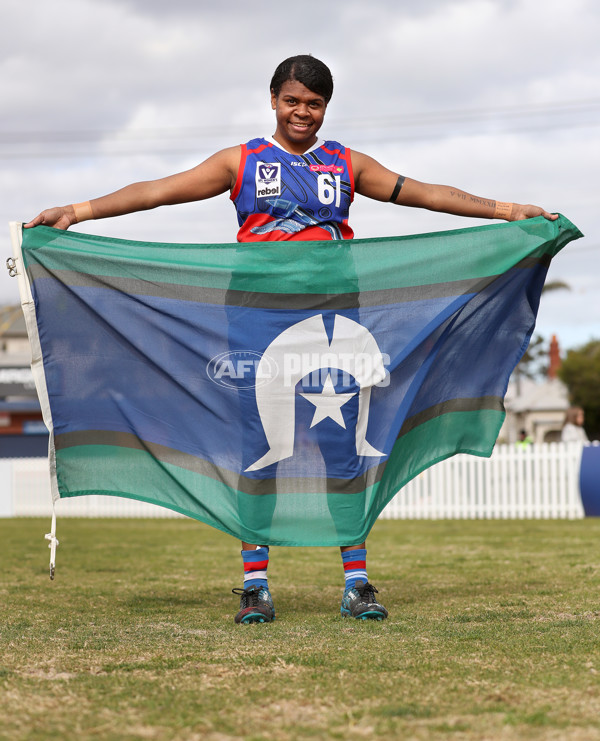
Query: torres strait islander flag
[[282, 392]]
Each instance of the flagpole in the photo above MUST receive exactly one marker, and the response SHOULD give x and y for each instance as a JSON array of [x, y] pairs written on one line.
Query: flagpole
[[17, 269]]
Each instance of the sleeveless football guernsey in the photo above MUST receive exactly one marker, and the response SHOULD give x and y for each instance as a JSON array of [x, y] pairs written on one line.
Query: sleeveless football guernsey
[[279, 195]]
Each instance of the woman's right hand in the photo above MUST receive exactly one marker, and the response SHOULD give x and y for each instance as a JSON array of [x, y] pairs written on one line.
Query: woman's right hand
[[60, 217]]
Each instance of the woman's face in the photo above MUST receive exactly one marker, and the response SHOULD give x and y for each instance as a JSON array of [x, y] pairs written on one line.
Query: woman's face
[[299, 113], [580, 418]]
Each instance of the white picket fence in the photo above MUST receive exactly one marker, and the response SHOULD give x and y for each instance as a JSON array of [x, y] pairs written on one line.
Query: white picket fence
[[539, 482]]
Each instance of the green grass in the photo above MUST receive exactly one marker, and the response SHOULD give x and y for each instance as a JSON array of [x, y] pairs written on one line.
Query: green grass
[[493, 634]]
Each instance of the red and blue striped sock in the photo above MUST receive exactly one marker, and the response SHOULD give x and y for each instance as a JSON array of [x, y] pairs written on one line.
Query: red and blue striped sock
[[355, 566], [255, 567]]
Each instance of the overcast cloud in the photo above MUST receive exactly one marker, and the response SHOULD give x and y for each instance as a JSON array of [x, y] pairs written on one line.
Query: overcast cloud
[[498, 97]]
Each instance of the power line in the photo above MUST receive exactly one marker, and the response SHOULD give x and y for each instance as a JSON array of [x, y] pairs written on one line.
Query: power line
[[584, 248], [403, 127], [400, 120], [363, 136]]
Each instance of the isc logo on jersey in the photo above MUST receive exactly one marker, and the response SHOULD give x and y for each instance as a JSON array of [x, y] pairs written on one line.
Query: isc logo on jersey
[[268, 179]]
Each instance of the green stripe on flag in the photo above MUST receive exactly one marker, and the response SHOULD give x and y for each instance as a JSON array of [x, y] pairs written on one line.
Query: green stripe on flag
[[330, 518], [283, 267]]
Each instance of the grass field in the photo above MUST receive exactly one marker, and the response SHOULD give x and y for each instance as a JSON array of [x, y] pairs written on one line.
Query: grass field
[[493, 634]]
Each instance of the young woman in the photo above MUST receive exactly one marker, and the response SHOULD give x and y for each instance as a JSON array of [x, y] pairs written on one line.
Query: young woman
[[572, 431], [292, 186]]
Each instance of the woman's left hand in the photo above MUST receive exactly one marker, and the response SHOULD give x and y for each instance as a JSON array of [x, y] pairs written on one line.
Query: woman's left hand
[[520, 212]]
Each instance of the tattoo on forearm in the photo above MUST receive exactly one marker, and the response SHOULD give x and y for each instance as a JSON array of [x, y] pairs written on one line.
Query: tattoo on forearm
[[472, 199], [482, 202]]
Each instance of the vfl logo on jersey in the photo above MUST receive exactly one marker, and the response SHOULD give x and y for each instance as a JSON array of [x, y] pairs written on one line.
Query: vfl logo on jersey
[[268, 179]]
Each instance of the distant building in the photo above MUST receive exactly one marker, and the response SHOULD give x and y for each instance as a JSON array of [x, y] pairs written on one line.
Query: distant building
[[536, 407], [22, 431]]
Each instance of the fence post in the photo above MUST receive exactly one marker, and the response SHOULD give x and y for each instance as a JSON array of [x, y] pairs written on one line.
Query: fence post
[[7, 508]]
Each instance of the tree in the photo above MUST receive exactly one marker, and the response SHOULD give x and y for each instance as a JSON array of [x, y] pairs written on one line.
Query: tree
[[555, 285], [580, 372], [535, 361]]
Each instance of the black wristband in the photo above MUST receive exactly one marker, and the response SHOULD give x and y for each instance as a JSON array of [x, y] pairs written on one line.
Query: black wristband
[[398, 188]]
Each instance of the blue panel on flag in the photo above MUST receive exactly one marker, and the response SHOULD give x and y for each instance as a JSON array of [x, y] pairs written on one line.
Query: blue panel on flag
[[143, 370]]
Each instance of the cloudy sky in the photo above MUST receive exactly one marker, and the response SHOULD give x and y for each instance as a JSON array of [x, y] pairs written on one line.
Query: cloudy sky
[[498, 97]]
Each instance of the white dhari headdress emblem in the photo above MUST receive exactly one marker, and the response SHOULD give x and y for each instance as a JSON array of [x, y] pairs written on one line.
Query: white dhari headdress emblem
[[302, 349]]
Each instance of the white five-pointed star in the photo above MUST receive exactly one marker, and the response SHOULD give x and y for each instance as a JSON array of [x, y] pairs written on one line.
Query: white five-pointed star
[[328, 404]]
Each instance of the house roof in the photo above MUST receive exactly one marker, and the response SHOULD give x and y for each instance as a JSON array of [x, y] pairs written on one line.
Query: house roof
[[12, 321], [551, 395]]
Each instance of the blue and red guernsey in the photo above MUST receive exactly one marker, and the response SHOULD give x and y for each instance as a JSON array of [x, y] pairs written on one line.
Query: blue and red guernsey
[[279, 195]]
